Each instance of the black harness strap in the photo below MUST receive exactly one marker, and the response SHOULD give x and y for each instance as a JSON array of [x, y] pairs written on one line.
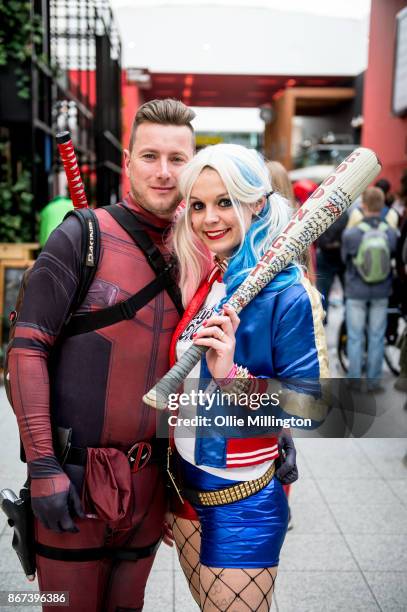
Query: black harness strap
[[90, 251], [130, 223], [81, 323], [95, 554], [89, 321]]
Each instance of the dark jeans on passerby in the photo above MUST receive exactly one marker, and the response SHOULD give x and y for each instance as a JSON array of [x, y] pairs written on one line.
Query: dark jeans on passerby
[[366, 317], [328, 266]]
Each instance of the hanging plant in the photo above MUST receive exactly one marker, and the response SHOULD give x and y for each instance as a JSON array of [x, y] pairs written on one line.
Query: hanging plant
[[19, 32]]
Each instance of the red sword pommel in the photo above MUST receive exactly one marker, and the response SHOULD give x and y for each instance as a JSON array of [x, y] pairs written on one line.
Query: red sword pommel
[[73, 175]]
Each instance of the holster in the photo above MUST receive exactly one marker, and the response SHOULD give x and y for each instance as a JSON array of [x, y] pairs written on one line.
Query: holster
[[61, 440], [20, 517]]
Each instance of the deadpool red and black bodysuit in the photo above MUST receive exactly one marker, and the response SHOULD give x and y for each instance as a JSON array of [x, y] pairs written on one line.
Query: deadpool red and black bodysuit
[[92, 383]]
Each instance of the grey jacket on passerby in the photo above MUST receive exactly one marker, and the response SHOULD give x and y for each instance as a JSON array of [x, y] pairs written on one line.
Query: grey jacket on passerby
[[355, 287]]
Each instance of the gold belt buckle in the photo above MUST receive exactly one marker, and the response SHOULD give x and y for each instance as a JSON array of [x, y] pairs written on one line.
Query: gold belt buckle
[[171, 477]]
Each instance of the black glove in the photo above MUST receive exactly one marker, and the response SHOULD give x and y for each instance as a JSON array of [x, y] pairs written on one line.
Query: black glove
[[286, 467], [54, 499]]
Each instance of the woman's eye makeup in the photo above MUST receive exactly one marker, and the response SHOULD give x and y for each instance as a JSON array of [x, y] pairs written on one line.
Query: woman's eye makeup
[[225, 202], [197, 205]]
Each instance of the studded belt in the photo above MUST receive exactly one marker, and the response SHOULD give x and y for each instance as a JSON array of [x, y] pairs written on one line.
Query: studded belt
[[231, 494]]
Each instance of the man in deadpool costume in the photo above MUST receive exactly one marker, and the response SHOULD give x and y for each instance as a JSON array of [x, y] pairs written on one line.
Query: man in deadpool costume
[[98, 522]]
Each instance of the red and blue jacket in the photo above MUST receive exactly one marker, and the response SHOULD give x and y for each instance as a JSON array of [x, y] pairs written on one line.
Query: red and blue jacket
[[280, 337]]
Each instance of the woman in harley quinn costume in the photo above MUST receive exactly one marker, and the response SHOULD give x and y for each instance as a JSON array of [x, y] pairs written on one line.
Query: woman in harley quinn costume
[[232, 524]]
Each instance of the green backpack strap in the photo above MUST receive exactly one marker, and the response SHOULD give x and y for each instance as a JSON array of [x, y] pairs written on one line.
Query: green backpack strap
[[364, 227], [382, 227]]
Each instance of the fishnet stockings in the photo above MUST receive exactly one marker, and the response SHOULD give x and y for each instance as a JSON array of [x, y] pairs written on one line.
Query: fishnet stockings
[[187, 535], [237, 590], [216, 589]]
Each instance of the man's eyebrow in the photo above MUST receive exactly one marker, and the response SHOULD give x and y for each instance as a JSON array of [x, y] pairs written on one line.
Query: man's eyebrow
[[222, 195], [155, 150]]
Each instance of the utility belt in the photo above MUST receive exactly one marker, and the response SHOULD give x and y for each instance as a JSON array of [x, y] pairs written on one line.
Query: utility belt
[[138, 455]]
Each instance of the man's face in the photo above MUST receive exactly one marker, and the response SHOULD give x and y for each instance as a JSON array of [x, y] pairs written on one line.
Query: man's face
[[153, 166]]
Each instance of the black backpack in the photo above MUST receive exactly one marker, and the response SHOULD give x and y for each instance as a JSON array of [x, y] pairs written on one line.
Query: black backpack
[[80, 323]]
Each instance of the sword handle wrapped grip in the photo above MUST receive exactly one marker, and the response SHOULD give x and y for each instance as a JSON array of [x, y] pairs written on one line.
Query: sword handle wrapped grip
[[73, 174]]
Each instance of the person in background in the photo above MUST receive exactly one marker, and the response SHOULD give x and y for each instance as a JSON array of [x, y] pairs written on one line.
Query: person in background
[[281, 181], [401, 266], [282, 185], [52, 215], [387, 214], [303, 189], [366, 251], [385, 186], [329, 260], [400, 203]]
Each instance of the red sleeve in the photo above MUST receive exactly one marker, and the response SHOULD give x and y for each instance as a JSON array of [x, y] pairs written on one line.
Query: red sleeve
[[47, 300]]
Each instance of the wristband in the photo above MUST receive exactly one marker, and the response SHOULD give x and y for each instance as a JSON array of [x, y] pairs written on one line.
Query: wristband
[[240, 383], [224, 382]]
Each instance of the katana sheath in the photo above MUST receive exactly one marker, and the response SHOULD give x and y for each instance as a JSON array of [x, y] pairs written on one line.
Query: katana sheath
[[73, 174], [323, 207]]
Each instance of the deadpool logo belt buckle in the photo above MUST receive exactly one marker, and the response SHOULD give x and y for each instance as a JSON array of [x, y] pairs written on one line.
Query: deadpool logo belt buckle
[[139, 455]]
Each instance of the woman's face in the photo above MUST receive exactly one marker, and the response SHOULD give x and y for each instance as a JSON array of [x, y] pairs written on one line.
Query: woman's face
[[213, 217]]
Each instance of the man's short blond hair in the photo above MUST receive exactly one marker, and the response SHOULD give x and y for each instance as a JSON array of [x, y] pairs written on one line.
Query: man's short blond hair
[[373, 199], [164, 112]]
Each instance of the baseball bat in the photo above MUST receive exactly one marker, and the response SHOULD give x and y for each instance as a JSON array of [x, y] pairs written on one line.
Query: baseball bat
[[73, 174], [323, 207]]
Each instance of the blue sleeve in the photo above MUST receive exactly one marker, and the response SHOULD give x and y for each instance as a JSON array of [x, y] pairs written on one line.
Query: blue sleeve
[[301, 357], [299, 342]]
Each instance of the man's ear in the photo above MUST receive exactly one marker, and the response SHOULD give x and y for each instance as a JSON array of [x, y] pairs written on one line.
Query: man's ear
[[127, 157]]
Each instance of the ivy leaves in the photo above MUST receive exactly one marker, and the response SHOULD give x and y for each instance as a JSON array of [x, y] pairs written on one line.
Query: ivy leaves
[[19, 32]]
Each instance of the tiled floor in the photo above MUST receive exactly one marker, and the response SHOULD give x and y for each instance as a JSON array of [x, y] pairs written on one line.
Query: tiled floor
[[348, 548]]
